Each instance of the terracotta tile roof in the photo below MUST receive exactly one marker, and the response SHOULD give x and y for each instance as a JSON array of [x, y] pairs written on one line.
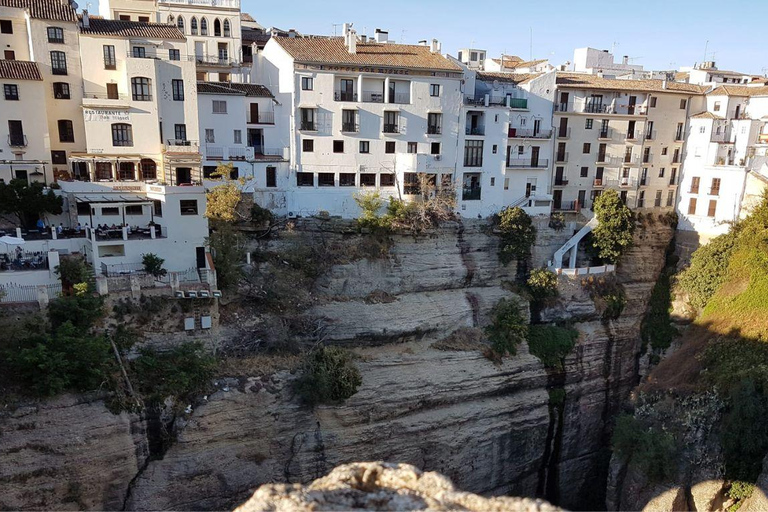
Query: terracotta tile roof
[[706, 115], [244, 16], [682, 76], [44, 9], [253, 90], [118, 28], [584, 81], [514, 62], [513, 78], [331, 50], [740, 90], [19, 70]]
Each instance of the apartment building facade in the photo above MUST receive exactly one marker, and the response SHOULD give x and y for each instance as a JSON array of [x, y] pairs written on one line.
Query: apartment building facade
[[628, 135]]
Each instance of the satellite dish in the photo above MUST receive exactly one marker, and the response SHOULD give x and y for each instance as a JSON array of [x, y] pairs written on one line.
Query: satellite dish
[[74, 5]]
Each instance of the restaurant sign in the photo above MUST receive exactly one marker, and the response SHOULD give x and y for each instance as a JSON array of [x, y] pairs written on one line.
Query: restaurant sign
[[105, 115]]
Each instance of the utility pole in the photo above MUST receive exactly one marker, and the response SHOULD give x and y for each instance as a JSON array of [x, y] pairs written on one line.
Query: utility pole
[[706, 47], [530, 49]]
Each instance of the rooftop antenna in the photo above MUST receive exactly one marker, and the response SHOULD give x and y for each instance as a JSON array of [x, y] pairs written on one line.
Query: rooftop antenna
[[530, 48], [335, 26], [706, 47], [613, 46], [402, 37]]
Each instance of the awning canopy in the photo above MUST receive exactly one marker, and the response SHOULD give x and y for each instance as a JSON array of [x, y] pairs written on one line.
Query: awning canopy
[[112, 199]]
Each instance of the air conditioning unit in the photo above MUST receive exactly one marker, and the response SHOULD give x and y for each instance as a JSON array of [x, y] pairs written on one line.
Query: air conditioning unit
[[291, 215]]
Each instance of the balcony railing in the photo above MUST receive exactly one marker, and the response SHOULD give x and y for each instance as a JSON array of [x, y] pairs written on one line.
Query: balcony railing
[[496, 101], [528, 163], [560, 182], [584, 107], [373, 97], [231, 4], [216, 60], [518, 103], [633, 135], [401, 98], [105, 96], [390, 128], [563, 133], [605, 134], [561, 157], [344, 96], [566, 206], [17, 141], [181, 146], [308, 126], [262, 118], [477, 130], [724, 137], [270, 153], [434, 129], [647, 157], [650, 135], [678, 137], [349, 127], [470, 193], [629, 160], [598, 183], [526, 133]]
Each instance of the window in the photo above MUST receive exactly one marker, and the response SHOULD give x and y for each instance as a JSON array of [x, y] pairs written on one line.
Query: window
[[66, 131], [368, 180], [365, 146], [307, 119], [586, 148], [307, 83], [410, 183], [308, 145], [712, 208], [584, 172], [495, 149], [139, 52], [55, 35], [238, 137], [657, 199], [126, 171], [670, 197], [326, 179], [11, 92], [178, 90], [347, 179], [125, 17], [148, 169], [193, 26], [434, 148], [58, 63], [389, 146], [110, 211], [653, 101], [226, 28], [714, 190], [103, 171], [434, 90], [219, 107], [203, 27], [134, 209], [217, 27], [661, 172], [473, 153], [180, 132], [6, 27], [683, 104], [210, 137], [61, 90], [646, 155], [386, 180], [59, 157], [271, 177], [413, 147], [506, 183], [9, 55], [348, 120], [180, 23], [174, 54], [122, 134], [695, 185], [588, 124], [664, 151], [641, 199], [338, 146], [390, 121], [717, 106], [143, 19], [140, 87], [109, 57], [188, 206], [434, 123], [208, 171]]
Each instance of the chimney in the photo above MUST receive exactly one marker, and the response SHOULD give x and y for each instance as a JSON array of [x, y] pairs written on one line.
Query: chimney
[[86, 20], [352, 44], [664, 84], [382, 36], [625, 60], [423, 42], [363, 38], [435, 48], [292, 33], [600, 74]]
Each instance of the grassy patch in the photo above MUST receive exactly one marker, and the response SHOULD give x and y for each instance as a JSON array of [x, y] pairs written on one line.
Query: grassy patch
[[551, 343], [462, 339], [329, 375]]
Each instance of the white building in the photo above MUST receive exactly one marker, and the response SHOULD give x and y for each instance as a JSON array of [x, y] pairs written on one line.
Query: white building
[[707, 73], [515, 64], [724, 137], [593, 61]]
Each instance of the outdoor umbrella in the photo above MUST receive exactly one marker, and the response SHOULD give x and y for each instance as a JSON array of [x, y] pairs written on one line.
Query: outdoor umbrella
[[11, 240]]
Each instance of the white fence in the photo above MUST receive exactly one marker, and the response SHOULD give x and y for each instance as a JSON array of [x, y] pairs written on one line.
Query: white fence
[[583, 271]]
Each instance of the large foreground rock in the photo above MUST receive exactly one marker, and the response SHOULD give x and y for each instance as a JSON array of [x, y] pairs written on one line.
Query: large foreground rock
[[381, 486]]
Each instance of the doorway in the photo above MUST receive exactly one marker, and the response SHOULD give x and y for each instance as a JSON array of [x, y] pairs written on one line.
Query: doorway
[[254, 113], [557, 199], [183, 176], [530, 187], [631, 106], [200, 256], [534, 156]]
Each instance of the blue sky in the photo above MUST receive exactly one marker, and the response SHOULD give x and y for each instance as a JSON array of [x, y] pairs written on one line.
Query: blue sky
[[658, 34]]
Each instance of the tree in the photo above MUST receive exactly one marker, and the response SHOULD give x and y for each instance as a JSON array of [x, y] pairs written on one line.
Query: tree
[[72, 270], [153, 265], [517, 234], [507, 329], [222, 201], [613, 234], [28, 201], [228, 250]]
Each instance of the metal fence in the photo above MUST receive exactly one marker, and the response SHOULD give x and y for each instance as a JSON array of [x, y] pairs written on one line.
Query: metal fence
[[12, 293]]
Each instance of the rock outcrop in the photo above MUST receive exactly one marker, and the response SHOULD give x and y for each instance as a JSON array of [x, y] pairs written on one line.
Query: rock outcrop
[[381, 486]]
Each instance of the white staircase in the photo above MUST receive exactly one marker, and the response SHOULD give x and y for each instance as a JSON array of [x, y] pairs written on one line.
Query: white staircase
[[572, 245]]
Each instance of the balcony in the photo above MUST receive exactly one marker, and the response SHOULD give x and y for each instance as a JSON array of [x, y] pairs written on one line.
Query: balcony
[[560, 182], [270, 154], [629, 160], [181, 146], [650, 135], [17, 141], [373, 97], [216, 61], [524, 133], [632, 136], [566, 206], [103, 99], [678, 137], [561, 158], [400, 98], [584, 107], [477, 130], [225, 153], [349, 127], [262, 118], [308, 126], [518, 103], [605, 135], [344, 96], [598, 183], [722, 138], [390, 128], [527, 163], [229, 4], [496, 101], [434, 129], [647, 157], [563, 133], [470, 193], [627, 182]]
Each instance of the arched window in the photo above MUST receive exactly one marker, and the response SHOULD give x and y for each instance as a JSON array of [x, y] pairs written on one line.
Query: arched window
[[148, 169], [193, 26], [203, 27], [217, 27], [122, 134], [180, 23], [141, 88], [226, 28]]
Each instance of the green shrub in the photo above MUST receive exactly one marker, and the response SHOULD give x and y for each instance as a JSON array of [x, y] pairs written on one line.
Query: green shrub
[[744, 434], [328, 375], [153, 265], [557, 221], [739, 491], [608, 291], [228, 251], [517, 234], [371, 204], [80, 310], [72, 270], [708, 269], [508, 328], [181, 372], [657, 329], [542, 284], [260, 215], [613, 234], [649, 449], [551, 343]]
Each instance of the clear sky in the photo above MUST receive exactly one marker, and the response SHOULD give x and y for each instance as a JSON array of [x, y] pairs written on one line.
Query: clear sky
[[658, 34]]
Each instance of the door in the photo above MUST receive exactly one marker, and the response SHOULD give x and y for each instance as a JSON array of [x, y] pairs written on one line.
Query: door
[[391, 92], [559, 175], [112, 93], [535, 156], [347, 90], [563, 106], [536, 126], [183, 175], [200, 256], [255, 140], [223, 53], [530, 187], [15, 133], [254, 113], [563, 132], [557, 199], [582, 198], [631, 106], [737, 112]]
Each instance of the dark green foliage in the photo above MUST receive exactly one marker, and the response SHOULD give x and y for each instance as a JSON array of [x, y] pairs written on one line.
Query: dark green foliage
[[551, 343], [508, 328], [739, 491], [556, 396], [708, 269], [80, 310], [228, 249], [72, 270], [557, 221], [328, 375], [613, 235], [542, 284], [744, 434], [153, 265], [729, 361], [181, 372], [261, 215], [517, 234], [657, 329], [649, 449], [28, 201]]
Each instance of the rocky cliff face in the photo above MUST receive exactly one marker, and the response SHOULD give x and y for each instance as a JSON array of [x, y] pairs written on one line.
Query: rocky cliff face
[[492, 429]]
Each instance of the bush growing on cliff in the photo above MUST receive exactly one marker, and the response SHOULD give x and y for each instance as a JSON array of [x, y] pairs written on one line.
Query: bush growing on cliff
[[542, 284], [613, 235], [228, 251], [551, 343], [744, 434], [708, 268], [608, 292], [508, 328], [656, 329], [649, 449], [517, 234], [328, 375]]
